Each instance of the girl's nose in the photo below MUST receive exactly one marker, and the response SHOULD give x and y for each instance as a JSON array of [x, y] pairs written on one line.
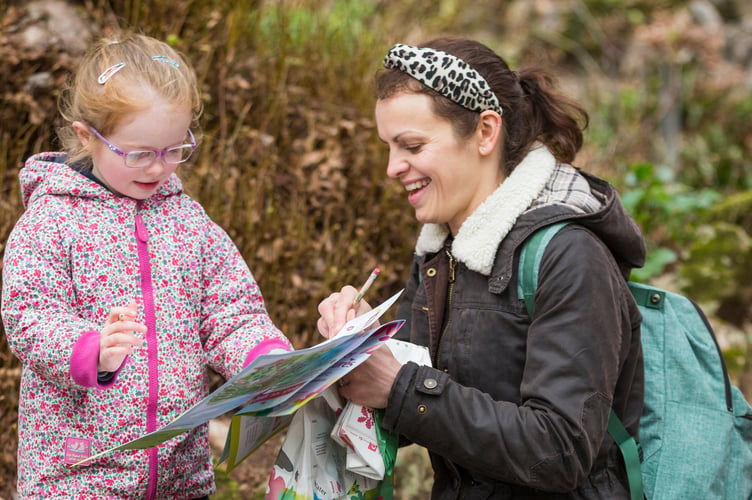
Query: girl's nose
[[156, 166]]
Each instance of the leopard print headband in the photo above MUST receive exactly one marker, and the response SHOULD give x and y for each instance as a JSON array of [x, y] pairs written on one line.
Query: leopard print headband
[[446, 74]]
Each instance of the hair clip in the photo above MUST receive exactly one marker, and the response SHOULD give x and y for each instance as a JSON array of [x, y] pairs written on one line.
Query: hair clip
[[167, 60], [107, 74]]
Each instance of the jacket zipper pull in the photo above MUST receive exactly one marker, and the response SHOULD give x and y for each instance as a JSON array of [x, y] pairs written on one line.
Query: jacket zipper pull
[[451, 266], [141, 233]]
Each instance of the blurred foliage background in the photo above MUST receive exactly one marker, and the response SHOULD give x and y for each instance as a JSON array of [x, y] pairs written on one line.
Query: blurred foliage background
[[291, 167]]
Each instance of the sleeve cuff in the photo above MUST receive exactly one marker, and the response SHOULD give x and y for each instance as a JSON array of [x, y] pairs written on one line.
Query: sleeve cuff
[[83, 363], [265, 347], [400, 389]]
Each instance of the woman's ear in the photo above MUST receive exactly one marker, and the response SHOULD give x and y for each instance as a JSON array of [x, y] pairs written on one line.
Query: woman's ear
[[489, 132], [83, 132]]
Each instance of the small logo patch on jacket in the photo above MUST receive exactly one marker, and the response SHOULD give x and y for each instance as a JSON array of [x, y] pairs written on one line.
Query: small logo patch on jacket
[[76, 449]]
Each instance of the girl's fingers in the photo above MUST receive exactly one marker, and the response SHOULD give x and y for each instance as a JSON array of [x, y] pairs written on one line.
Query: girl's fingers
[[124, 326], [122, 340], [121, 313]]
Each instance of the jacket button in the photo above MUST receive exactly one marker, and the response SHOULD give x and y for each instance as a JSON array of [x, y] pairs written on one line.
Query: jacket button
[[430, 383], [431, 272], [421, 409]]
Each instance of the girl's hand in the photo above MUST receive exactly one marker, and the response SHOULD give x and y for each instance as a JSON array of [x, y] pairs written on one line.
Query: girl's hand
[[116, 340], [337, 309]]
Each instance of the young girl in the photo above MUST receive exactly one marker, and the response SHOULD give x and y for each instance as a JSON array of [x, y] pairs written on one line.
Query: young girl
[[118, 290]]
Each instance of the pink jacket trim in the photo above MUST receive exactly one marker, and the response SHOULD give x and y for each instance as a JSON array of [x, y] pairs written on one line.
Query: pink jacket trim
[[265, 347], [83, 363]]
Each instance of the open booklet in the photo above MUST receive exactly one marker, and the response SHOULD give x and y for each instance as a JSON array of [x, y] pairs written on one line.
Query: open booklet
[[274, 385]]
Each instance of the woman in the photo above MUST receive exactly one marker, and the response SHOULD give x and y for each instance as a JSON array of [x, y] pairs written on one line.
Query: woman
[[512, 407]]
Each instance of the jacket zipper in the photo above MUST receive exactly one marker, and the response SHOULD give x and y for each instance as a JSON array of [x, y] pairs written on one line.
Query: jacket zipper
[[448, 308], [142, 238]]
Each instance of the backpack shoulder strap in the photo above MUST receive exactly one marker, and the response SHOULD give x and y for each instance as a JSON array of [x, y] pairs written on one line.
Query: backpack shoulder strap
[[527, 282], [630, 451], [530, 258]]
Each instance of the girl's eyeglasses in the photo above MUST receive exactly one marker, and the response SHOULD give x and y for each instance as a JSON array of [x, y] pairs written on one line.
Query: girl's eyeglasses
[[145, 157]]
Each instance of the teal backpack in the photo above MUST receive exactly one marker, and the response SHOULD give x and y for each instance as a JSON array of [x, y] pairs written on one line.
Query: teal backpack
[[696, 428]]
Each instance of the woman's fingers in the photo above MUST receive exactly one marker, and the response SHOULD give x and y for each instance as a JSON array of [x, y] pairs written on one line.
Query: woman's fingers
[[331, 311]]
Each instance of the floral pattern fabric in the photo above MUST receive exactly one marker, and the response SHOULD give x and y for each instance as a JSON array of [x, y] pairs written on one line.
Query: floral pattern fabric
[[71, 257]]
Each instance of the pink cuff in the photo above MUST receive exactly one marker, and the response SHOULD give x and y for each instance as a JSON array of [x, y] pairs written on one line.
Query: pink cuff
[[265, 347], [84, 360]]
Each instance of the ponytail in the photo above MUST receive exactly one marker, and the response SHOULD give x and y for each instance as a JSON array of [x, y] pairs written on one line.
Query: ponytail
[[555, 120]]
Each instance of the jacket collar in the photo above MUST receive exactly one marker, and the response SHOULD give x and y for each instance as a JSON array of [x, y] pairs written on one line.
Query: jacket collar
[[48, 174], [479, 236]]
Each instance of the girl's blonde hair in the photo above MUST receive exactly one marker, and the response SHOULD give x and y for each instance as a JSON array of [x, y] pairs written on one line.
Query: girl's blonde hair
[[138, 65]]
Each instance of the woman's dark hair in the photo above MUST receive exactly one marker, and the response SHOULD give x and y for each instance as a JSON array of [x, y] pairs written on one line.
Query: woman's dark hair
[[533, 109]]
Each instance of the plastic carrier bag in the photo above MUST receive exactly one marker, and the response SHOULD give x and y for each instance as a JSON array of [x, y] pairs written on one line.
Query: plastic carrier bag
[[311, 465]]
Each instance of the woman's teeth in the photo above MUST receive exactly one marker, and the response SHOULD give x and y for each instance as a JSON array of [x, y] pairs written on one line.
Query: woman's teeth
[[417, 185]]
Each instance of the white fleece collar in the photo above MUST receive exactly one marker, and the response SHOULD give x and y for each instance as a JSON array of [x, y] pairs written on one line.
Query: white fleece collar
[[482, 232]]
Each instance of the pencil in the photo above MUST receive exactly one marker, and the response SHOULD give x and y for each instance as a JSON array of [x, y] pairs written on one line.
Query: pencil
[[365, 286]]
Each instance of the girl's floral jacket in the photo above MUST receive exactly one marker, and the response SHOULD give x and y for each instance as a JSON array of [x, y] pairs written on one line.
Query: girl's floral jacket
[[76, 252]]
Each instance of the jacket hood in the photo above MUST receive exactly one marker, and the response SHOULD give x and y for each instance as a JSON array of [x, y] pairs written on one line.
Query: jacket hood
[[48, 174], [539, 192]]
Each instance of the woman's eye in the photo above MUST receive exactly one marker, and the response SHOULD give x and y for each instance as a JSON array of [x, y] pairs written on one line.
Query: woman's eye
[[413, 148]]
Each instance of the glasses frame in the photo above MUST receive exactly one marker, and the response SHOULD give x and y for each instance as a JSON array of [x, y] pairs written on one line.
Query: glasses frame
[[158, 154]]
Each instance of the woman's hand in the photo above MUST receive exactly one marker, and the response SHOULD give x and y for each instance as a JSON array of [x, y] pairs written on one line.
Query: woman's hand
[[371, 382], [337, 309], [117, 340]]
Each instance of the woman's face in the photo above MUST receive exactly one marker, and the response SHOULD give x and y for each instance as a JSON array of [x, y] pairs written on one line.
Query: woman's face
[[446, 177], [159, 126]]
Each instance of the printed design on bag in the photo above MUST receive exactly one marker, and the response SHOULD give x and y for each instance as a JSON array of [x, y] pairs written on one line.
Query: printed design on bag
[[336, 487], [330, 487], [76, 449], [366, 417], [276, 486], [284, 462], [346, 439]]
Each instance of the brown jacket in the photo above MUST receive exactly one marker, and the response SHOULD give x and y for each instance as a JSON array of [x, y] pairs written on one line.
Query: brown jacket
[[514, 409]]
